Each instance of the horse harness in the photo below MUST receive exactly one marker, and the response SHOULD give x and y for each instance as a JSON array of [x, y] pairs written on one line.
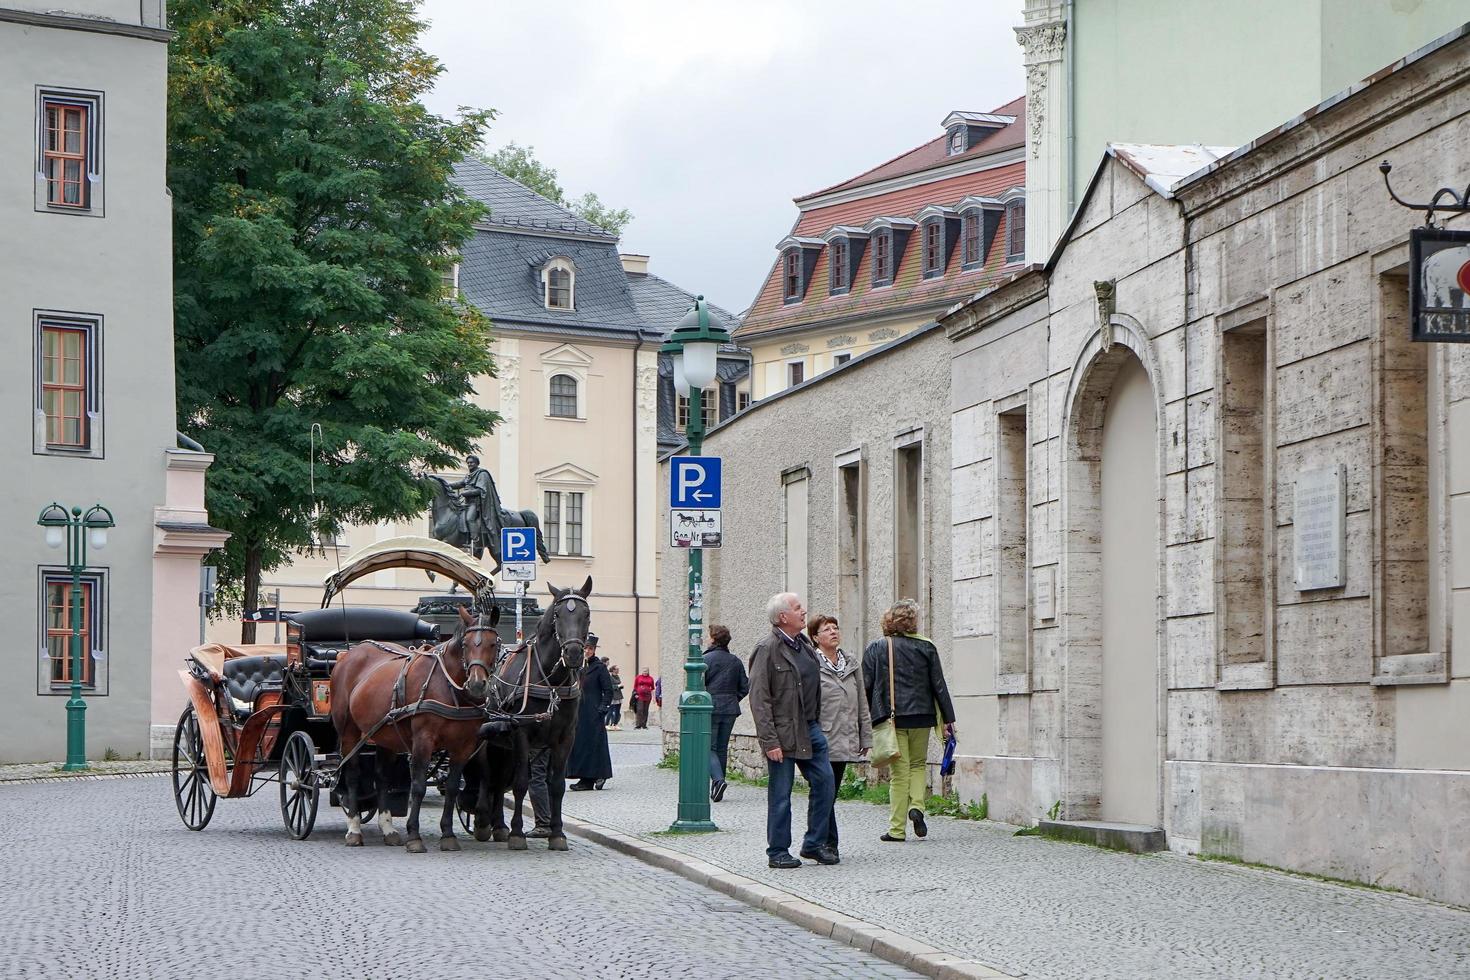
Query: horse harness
[[504, 685]]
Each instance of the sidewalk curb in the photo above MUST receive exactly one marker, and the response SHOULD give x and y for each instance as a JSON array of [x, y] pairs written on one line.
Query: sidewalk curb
[[82, 778], [858, 933]]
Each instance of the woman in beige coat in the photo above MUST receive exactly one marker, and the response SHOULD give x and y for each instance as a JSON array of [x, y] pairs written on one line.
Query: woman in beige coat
[[845, 718]]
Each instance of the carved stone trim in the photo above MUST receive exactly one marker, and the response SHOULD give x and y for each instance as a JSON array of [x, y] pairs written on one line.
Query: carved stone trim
[[1035, 105], [841, 341], [790, 349], [882, 333], [1042, 42]]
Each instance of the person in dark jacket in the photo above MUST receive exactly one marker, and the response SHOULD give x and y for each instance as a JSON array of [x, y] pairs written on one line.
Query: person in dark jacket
[[727, 684], [919, 694], [590, 761], [615, 707]]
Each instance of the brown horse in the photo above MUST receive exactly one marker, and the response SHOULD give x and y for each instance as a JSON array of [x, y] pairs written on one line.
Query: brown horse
[[435, 698]]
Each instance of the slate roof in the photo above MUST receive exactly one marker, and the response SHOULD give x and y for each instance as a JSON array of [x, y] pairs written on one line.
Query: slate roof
[[909, 291], [663, 305], [514, 205]]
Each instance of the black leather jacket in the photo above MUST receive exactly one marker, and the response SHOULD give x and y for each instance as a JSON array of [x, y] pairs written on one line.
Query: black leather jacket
[[725, 680], [918, 680]]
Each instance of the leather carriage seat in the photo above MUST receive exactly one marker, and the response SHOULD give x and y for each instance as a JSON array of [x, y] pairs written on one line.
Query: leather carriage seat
[[246, 677], [337, 626]]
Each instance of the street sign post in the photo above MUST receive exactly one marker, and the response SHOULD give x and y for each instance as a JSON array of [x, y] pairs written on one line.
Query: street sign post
[[518, 563], [694, 483]]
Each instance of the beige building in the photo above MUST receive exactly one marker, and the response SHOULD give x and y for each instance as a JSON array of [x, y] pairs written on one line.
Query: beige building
[[1211, 504], [577, 331], [86, 295]]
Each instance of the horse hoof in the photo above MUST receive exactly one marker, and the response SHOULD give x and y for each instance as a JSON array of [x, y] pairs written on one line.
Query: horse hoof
[[354, 840], [482, 834], [557, 844], [393, 839], [415, 846], [517, 843], [449, 844], [500, 835]]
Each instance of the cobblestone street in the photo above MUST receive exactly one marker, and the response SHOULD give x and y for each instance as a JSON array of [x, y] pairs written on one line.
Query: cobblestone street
[[102, 880], [1045, 909]]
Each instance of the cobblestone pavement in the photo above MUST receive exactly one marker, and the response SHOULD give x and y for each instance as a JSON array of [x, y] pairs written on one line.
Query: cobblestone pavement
[[100, 879], [1046, 909]]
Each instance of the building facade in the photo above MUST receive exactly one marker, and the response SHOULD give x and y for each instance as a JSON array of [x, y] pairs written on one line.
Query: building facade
[[841, 497], [86, 293], [577, 333], [1211, 503], [874, 257], [1181, 71]]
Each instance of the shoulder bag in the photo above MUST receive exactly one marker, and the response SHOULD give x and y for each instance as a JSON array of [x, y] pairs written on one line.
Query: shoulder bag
[[885, 736]]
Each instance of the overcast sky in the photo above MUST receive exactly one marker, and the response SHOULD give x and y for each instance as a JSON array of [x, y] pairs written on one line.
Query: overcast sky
[[706, 118]]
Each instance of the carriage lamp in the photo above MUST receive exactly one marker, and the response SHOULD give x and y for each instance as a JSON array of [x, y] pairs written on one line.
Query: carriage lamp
[[694, 347], [75, 530]]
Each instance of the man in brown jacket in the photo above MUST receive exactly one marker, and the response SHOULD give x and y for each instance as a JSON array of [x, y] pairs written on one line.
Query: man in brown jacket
[[786, 705]]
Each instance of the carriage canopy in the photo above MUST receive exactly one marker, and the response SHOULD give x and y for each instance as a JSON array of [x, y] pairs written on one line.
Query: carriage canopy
[[409, 551]]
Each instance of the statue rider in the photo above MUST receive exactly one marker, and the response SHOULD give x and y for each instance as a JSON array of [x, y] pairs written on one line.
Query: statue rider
[[474, 490]]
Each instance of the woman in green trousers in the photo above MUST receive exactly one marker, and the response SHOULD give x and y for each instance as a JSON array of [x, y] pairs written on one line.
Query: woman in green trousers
[[920, 697]]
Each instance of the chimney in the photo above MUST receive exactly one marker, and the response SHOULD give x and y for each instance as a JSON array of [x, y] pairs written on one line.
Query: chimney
[[634, 265]]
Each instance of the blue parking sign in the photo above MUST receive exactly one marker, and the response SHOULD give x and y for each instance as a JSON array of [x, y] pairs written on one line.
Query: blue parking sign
[[694, 482], [517, 544]]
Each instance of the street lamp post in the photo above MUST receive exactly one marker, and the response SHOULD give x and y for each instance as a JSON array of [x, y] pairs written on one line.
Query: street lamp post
[[73, 529], [693, 346]]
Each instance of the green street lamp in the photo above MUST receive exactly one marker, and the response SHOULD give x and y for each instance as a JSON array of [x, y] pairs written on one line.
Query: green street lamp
[[74, 529], [694, 346]]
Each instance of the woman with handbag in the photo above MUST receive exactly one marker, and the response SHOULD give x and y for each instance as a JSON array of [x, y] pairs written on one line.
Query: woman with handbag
[[906, 689], [844, 716]]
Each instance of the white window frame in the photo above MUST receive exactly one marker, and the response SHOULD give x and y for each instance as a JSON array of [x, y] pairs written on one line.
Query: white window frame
[[577, 413], [564, 479], [574, 362], [787, 379], [560, 263]]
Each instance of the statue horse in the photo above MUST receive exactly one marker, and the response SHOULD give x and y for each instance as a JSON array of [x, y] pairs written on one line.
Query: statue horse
[[447, 520], [533, 695], [414, 703]]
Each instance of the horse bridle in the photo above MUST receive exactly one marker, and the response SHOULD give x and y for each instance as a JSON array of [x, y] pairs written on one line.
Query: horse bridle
[[565, 645]]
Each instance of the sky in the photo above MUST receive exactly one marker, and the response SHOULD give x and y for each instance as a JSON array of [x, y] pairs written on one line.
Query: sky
[[706, 118]]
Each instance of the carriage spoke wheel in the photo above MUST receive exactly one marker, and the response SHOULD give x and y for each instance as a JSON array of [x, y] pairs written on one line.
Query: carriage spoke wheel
[[299, 789], [193, 793]]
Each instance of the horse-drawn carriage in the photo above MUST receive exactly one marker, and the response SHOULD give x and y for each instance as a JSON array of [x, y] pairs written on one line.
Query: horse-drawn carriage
[[304, 715]]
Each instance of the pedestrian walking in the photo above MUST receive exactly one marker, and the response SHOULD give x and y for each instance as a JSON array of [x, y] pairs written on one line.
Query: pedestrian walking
[[919, 693], [726, 681], [642, 698], [615, 708], [786, 704], [590, 761], [845, 717]]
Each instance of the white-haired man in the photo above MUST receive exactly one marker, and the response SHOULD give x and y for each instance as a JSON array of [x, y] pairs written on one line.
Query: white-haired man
[[786, 705]]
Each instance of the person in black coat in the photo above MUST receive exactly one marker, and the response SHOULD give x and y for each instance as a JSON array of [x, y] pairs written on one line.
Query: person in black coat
[[726, 681], [590, 761]]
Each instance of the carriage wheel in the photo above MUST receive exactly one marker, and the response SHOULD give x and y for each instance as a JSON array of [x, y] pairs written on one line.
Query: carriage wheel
[[193, 793], [299, 789]]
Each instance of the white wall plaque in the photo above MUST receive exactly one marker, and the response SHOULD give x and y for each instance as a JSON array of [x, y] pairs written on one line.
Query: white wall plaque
[[1319, 517], [1044, 595]]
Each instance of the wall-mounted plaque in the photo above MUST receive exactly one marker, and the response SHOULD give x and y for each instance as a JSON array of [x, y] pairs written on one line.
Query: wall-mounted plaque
[[1044, 597], [1319, 525]]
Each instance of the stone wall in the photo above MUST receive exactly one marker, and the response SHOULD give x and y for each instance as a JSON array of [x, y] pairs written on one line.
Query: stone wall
[[1303, 719]]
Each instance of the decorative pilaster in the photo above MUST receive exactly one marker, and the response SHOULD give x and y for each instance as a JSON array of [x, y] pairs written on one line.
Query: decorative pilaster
[[1043, 39]]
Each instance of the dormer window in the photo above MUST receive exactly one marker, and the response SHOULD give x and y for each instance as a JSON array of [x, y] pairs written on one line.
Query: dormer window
[[933, 248], [838, 255], [970, 236], [889, 235], [792, 277], [1016, 230], [558, 279], [956, 140]]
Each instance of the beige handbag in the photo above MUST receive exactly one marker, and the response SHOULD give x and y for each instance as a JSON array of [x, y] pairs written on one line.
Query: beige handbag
[[885, 736]]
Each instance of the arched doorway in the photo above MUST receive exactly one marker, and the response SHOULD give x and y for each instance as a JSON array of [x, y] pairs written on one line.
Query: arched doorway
[[1112, 509]]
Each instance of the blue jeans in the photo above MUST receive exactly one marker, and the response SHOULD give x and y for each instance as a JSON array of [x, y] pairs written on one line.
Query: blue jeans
[[719, 745], [817, 771]]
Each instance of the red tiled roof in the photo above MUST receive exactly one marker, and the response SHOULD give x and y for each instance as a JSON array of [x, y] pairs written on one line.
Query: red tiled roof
[[770, 311], [933, 153]]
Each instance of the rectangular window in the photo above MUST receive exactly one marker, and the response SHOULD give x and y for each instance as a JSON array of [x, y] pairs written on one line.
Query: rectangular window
[[1244, 518], [795, 527], [1013, 569], [574, 524], [933, 248], [450, 280], [795, 373], [841, 358], [792, 262], [710, 401], [742, 400], [564, 396], [851, 545], [882, 258], [972, 239], [67, 384], [551, 519], [838, 252], [57, 595], [559, 289], [68, 151], [908, 522], [1016, 232]]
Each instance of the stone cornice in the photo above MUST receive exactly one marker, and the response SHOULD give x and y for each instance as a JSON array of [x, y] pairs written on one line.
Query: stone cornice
[[1023, 289], [67, 22]]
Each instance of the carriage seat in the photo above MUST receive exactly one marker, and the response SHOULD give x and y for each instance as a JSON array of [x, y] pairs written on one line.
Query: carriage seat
[[246, 677]]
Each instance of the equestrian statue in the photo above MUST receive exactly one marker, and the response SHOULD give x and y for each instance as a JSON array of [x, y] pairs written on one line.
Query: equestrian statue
[[467, 514]]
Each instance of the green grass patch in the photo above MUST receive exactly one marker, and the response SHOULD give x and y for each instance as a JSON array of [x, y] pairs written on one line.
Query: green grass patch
[[669, 761], [950, 806], [855, 787]]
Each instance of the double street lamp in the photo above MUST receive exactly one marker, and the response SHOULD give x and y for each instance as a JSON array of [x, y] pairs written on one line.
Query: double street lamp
[[75, 530], [693, 347]]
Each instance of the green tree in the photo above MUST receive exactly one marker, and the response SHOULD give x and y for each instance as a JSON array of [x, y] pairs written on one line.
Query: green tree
[[314, 217], [519, 163]]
